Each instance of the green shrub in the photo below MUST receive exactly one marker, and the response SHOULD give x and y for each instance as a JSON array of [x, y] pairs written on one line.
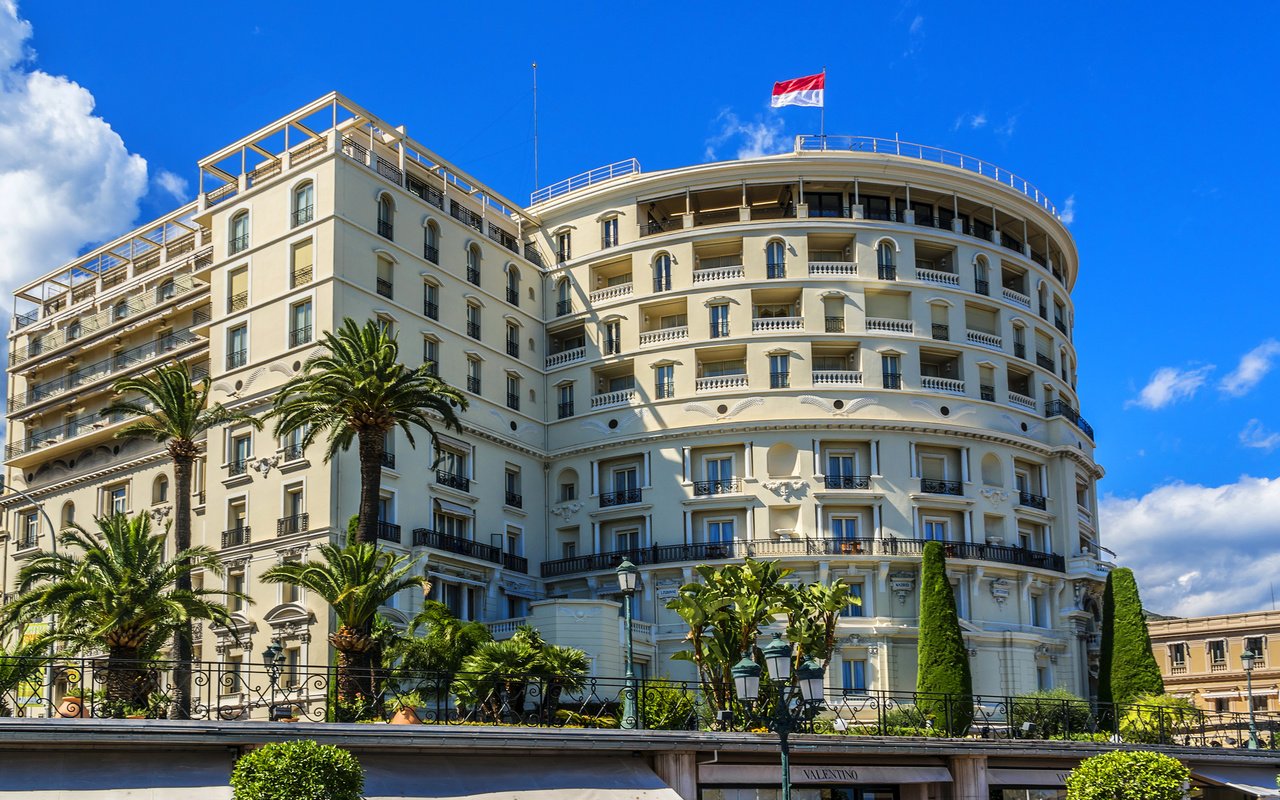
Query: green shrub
[[667, 706], [943, 658], [1054, 712], [300, 770], [1157, 718], [1128, 775], [1128, 667]]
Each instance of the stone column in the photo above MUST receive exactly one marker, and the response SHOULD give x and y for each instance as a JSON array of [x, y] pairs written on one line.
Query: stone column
[[680, 771], [969, 777]]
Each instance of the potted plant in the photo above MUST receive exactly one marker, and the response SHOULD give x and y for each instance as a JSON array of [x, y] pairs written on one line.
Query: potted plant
[[72, 705], [407, 705]]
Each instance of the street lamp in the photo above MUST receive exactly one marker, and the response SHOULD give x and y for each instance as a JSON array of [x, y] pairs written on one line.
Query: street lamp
[[796, 702], [628, 577], [1246, 660], [272, 660]]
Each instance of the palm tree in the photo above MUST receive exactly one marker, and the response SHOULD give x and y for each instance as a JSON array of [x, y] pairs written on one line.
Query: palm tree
[[357, 390], [174, 411], [355, 581], [496, 678], [437, 644], [114, 590]]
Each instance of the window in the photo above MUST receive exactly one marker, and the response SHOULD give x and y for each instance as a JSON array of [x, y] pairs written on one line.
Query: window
[[853, 676], [166, 291], [719, 320], [885, 261], [563, 304], [720, 531], [68, 514], [513, 285], [386, 213], [775, 256], [627, 541], [1044, 679], [300, 323], [303, 205], [844, 528], [237, 290], [891, 366], [473, 320], [515, 542], [568, 491], [292, 443], [1178, 655], [981, 277], [235, 586], [454, 525], [237, 346], [473, 375], [511, 483], [117, 499], [513, 340], [935, 530], [1222, 705], [513, 392], [1218, 652], [609, 232], [302, 264], [563, 250], [160, 490], [431, 301], [431, 356], [386, 278], [854, 609], [431, 243], [662, 273], [568, 549], [612, 337], [664, 377], [473, 264], [1039, 611], [719, 469], [564, 400], [779, 371], [231, 681], [239, 233], [241, 445], [30, 526], [1260, 702], [1258, 646]]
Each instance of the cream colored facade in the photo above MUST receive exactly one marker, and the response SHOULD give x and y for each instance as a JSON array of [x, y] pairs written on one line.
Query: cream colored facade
[[824, 357], [1199, 658]]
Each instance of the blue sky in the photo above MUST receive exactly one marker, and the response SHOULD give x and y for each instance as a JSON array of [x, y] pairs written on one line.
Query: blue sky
[[1156, 132]]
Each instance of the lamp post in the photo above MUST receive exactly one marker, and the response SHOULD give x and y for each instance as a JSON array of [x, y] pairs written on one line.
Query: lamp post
[[1246, 660], [274, 663], [628, 577], [796, 701]]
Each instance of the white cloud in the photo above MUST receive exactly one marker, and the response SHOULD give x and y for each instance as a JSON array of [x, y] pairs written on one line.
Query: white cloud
[[1168, 385], [917, 24], [972, 121], [761, 137], [1228, 532], [173, 184], [1253, 367], [66, 178], [1006, 128], [1257, 436], [1068, 213]]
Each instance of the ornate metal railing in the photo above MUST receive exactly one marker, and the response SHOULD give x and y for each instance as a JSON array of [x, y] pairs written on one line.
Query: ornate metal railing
[[425, 537]]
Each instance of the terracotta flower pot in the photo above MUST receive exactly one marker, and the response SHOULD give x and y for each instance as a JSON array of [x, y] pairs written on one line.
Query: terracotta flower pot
[[72, 707], [406, 716]]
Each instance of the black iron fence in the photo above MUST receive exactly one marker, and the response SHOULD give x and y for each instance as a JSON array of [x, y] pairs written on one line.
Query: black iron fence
[[236, 690]]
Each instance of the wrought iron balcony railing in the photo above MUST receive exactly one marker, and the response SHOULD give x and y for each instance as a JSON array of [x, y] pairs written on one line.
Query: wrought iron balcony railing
[[847, 481], [453, 481], [937, 486], [298, 523], [425, 537], [721, 486], [621, 497]]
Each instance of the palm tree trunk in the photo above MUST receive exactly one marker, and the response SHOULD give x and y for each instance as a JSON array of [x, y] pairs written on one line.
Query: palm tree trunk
[[126, 682], [372, 450], [183, 645]]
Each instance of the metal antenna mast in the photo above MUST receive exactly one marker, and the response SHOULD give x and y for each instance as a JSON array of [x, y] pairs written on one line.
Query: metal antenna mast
[[535, 126]]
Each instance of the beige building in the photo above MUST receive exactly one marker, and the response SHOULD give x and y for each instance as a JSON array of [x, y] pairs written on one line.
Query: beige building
[[826, 357], [1199, 658]]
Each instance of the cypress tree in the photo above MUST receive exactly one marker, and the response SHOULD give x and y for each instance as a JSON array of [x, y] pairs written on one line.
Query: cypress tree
[[943, 667], [1128, 668]]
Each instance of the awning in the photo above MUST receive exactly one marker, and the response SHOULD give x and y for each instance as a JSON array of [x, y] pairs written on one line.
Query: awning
[[770, 775], [412, 777], [1253, 781], [457, 509], [1028, 777]]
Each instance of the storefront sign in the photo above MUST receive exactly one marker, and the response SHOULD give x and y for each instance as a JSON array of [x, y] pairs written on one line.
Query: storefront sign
[[769, 775], [668, 588]]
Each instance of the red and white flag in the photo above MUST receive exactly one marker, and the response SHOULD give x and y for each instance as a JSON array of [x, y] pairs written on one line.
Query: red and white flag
[[806, 91]]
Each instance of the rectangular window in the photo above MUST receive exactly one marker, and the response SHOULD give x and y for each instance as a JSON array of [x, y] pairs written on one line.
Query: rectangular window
[[612, 338], [241, 451], [473, 375], [719, 321], [563, 249], [30, 528], [431, 356], [302, 264], [609, 233], [1044, 679], [779, 371], [513, 392], [237, 346], [232, 682], [840, 465], [473, 321], [627, 540], [564, 400], [568, 491], [664, 378], [118, 500], [568, 549], [1218, 652], [719, 469], [854, 609], [1258, 646], [300, 323], [853, 676], [1178, 654], [844, 528], [238, 290], [720, 531], [935, 530], [891, 365], [235, 585], [1038, 611], [1222, 705]]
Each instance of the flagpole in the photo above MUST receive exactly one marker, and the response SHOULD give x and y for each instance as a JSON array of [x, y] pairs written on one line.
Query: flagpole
[[822, 116]]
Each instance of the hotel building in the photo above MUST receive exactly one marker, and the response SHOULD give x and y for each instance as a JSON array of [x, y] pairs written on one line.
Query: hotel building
[[1200, 659], [825, 357]]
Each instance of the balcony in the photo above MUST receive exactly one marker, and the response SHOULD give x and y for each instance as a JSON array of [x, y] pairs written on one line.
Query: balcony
[[944, 385], [300, 277], [566, 357], [473, 384], [984, 339], [1022, 400], [388, 532], [564, 307], [833, 268], [987, 392], [1218, 665], [431, 253], [811, 547], [453, 481], [302, 216], [847, 481], [936, 486], [834, 324], [238, 467], [981, 287], [514, 499], [503, 238], [620, 498], [298, 523], [292, 452], [612, 346], [513, 296], [776, 324], [473, 276], [385, 288], [891, 380], [425, 537], [904, 327], [1045, 361], [513, 349], [1060, 408], [610, 293], [941, 331], [1019, 350], [717, 487], [385, 229], [1016, 297], [515, 563], [1031, 500], [775, 270], [887, 272], [941, 278], [564, 410], [1060, 325], [238, 244], [834, 377], [720, 383], [465, 215], [513, 401], [473, 329], [237, 302], [664, 390], [57, 434], [431, 310], [620, 397], [722, 268], [299, 336], [235, 536], [663, 335], [237, 359]]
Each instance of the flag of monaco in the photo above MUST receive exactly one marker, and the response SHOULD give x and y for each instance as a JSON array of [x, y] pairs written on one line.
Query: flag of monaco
[[806, 91]]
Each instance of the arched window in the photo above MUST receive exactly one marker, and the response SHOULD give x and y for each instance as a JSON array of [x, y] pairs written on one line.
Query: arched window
[[473, 264], [431, 243], [775, 256], [160, 490], [981, 276], [885, 261], [165, 291], [68, 514], [513, 285], [662, 273], [304, 204], [386, 213], [563, 304], [239, 232]]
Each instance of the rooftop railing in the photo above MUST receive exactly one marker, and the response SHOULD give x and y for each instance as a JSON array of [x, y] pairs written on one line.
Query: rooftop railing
[[608, 172], [895, 147]]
